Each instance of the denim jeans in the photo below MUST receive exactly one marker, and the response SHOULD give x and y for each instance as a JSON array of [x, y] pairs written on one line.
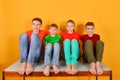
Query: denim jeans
[[71, 51], [49, 58], [30, 52]]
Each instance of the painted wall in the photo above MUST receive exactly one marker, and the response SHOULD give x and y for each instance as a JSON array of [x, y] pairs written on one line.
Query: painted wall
[[16, 16]]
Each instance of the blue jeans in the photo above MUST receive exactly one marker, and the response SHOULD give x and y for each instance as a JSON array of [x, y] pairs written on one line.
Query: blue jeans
[[49, 58], [30, 52]]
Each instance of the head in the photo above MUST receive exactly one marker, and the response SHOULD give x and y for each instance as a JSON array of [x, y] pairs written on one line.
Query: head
[[90, 28], [53, 29], [36, 24], [70, 26]]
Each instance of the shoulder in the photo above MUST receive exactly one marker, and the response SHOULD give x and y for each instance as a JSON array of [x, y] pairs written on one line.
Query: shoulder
[[29, 31], [77, 33], [58, 36], [43, 31], [47, 36], [64, 33], [84, 35]]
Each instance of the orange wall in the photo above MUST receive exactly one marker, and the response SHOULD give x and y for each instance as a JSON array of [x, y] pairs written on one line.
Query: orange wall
[[16, 15]]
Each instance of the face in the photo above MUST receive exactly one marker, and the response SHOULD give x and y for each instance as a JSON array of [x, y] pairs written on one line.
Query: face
[[53, 30], [90, 30], [36, 25], [70, 27]]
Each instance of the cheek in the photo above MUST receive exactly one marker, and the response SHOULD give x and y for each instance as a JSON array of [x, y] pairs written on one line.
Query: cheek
[[87, 30], [67, 28], [38, 27]]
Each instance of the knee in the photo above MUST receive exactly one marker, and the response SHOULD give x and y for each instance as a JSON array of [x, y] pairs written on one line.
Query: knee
[[34, 36], [74, 40], [100, 43], [89, 42], [23, 36], [48, 45], [56, 44], [66, 41]]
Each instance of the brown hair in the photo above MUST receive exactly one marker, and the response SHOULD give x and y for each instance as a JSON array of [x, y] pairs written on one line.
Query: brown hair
[[37, 19], [89, 24], [71, 21], [54, 25]]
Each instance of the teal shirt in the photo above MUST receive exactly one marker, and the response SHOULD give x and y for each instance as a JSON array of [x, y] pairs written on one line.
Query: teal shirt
[[52, 40]]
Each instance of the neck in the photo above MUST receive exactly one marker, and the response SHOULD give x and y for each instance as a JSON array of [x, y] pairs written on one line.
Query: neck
[[70, 32], [35, 31], [90, 35], [52, 35]]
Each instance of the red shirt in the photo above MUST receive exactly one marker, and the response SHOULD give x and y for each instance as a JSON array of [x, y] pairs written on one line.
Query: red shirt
[[94, 38], [41, 34], [74, 35]]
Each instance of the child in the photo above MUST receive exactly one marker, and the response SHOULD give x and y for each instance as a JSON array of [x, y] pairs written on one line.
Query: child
[[71, 47], [52, 45], [30, 46], [92, 49]]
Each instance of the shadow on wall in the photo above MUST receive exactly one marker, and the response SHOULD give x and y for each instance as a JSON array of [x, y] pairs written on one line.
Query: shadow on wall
[[80, 28], [62, 27]]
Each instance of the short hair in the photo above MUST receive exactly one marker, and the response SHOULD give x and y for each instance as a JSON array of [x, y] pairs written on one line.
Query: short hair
[[89, 24], [37, 19], [54, 25], [71, 21]]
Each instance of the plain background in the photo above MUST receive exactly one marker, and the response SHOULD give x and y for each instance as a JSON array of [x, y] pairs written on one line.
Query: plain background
[[16, 16]]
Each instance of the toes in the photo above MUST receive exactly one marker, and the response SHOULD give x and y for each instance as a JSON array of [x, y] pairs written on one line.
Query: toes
[[28, 72], [56, 72], [92, 71], [46, 73], [99, 72], [21, 72]]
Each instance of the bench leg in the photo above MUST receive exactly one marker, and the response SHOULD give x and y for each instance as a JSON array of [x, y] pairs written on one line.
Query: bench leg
[[3, 77], [23, 77], [96, 77], [110, 75]]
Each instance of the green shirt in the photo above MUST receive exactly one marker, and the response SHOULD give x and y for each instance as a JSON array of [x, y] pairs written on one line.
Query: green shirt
[[51, 39]]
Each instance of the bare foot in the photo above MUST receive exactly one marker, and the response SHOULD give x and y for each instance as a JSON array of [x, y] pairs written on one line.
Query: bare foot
[[29, 68], [47, 71], [74, 69], [56, 69], [92, 68], [68, 69], [98, 68], [22, 68]]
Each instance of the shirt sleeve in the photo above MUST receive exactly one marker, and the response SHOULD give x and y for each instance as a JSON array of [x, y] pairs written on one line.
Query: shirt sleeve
[[45, 40], [81, 38], [97, 37], [62, 37]]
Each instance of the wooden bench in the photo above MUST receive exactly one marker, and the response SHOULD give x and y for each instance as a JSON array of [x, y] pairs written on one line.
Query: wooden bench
[[38, 71]]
